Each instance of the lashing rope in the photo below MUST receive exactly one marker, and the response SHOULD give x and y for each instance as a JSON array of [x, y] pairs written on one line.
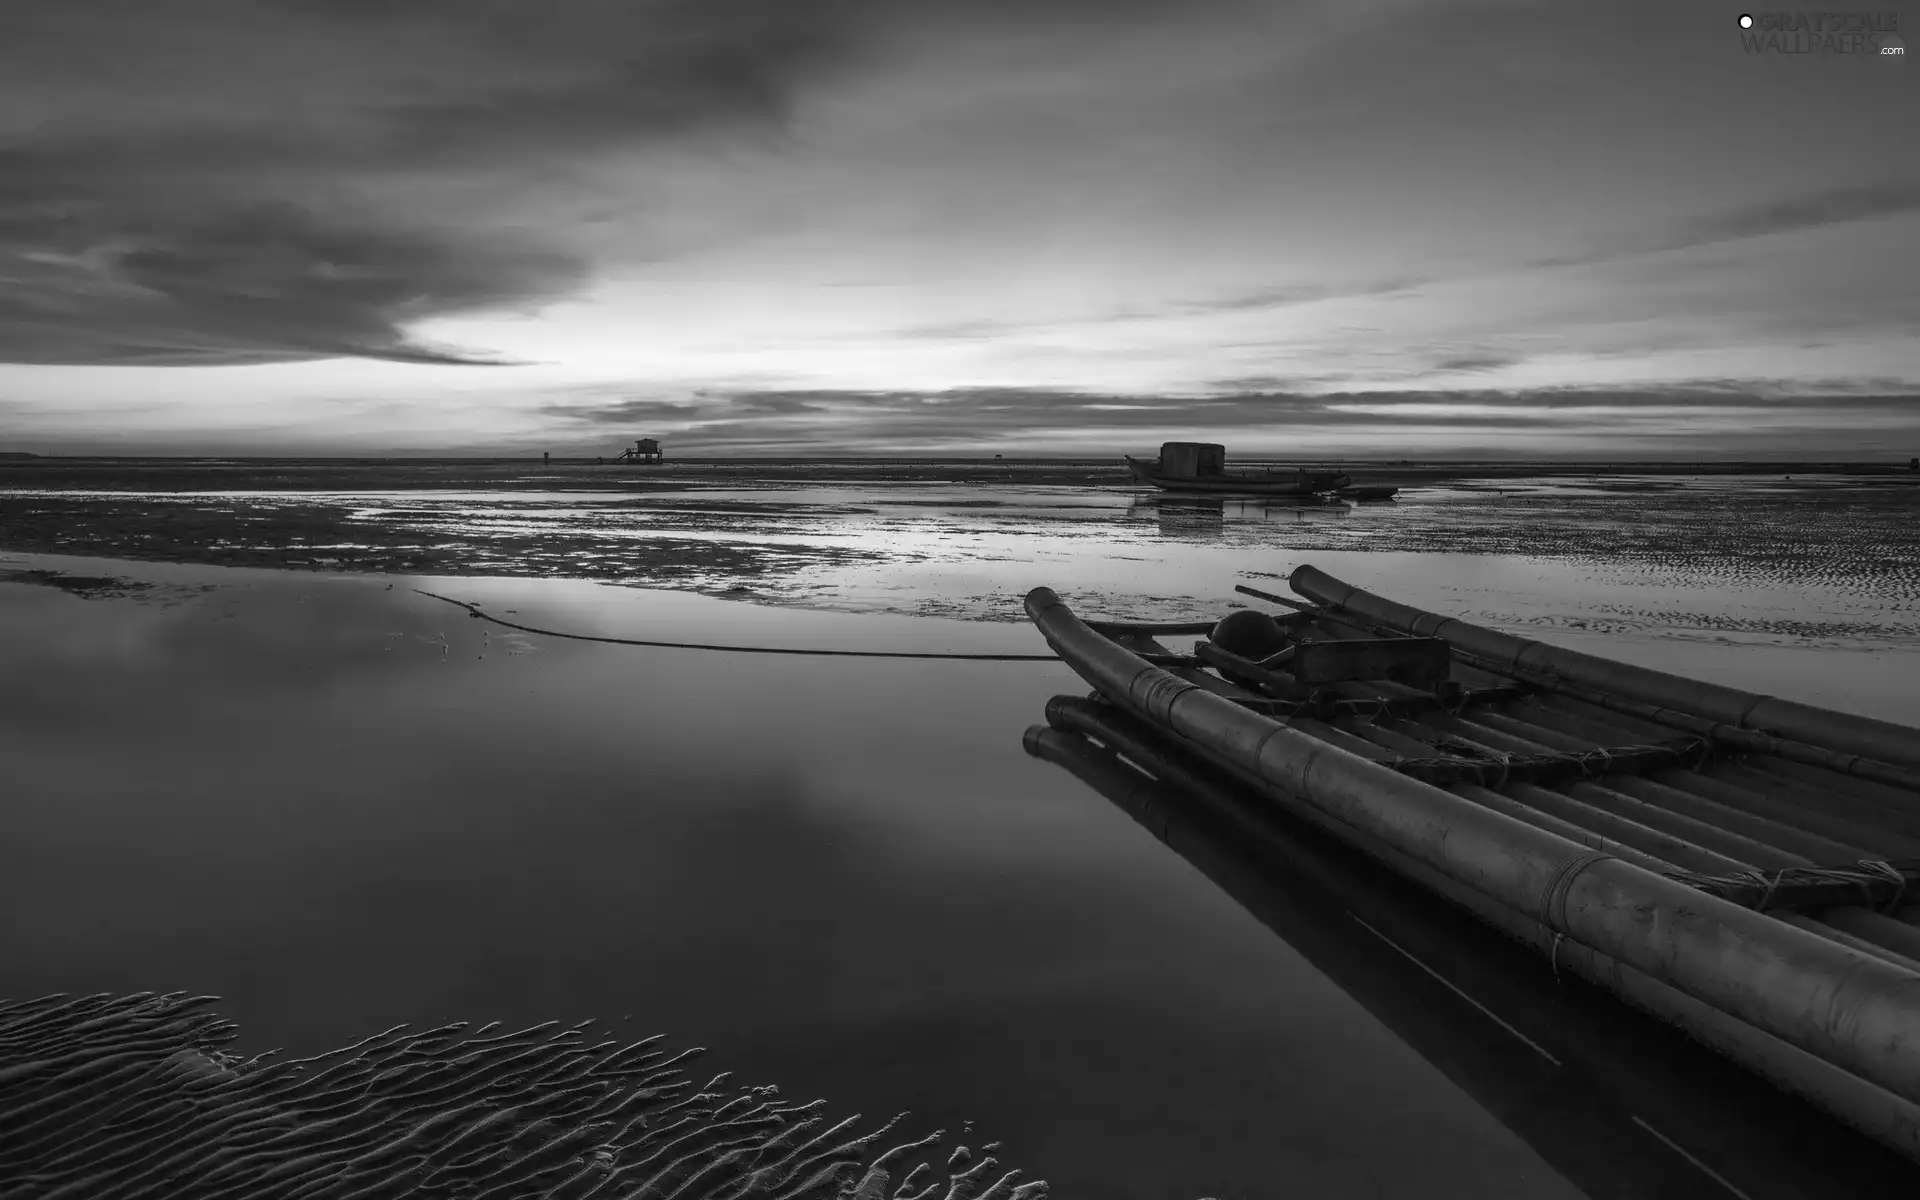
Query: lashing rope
[[1496, 768], [1863, 874], [1506, 769], [1600, 754], [1887, 870]]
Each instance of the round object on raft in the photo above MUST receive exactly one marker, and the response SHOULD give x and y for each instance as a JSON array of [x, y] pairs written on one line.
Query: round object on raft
[[1250, 634]]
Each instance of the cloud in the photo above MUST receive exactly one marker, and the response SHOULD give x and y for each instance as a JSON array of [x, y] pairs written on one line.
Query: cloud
[[1258, 300], [266, 282], [218, 210], [219, 181], [1812, 210], [960, 330], [627, 412], [1488, 361], [1294, 295], [1883, 198]]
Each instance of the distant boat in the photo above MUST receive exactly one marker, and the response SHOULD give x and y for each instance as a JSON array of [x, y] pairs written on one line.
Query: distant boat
[[1201, 467], [1366, 491]]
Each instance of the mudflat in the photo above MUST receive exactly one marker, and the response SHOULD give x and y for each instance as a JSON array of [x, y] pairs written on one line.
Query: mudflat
[[342, 804], [1824, 558]]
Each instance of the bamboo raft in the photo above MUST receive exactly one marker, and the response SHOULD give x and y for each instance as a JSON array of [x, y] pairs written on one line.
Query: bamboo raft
[[1742, 867], [1617, 1103], [110, 1098]]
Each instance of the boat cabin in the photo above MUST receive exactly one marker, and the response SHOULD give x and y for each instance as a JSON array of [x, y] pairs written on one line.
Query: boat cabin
[[1191, 460], [645, 450]]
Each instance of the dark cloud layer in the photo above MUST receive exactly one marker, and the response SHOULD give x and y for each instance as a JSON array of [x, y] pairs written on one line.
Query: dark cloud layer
[[274, 193], [1476, 362], [262, 283], [194, 240]]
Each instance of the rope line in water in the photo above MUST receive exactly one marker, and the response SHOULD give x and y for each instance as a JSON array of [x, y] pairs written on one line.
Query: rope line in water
[[474, 610]]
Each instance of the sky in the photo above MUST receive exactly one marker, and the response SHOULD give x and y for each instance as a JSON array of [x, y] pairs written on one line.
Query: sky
[[1419, 228]]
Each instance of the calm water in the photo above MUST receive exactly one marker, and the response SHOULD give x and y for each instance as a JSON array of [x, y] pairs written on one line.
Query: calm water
[[342, 805]]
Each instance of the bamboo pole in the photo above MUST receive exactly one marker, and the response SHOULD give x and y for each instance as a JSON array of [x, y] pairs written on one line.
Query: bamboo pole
[[1845, 1007]]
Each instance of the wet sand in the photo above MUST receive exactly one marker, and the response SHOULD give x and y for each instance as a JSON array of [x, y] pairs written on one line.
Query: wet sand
[[1821, 560], [1808, 587]]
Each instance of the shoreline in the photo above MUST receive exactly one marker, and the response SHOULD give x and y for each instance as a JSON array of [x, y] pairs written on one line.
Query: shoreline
[[524, 474], [1707, 555]]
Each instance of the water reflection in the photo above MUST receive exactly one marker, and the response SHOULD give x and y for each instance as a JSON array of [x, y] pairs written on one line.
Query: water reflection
[[1201, 516], [343, 807], [1617, 1103]]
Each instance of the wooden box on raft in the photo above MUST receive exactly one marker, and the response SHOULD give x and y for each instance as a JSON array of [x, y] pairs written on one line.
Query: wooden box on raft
[[1743, 867], [1416, 662]]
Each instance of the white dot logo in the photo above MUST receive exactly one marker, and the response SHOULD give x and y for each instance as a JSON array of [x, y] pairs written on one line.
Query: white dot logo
[[1746, 22]]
